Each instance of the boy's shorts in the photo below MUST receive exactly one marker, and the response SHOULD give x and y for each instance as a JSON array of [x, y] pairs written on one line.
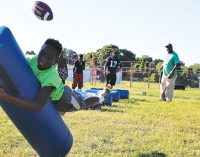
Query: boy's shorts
[[64, 104], [111, 79]]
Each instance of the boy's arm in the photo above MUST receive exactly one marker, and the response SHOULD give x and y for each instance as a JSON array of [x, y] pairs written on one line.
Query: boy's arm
[[32, 105], [83, 65], [119, 68], [105, 69], [74, 67], [171, 74], [66, 70]]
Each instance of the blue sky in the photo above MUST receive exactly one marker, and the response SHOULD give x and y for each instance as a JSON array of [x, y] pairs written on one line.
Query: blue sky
[[141, 26]]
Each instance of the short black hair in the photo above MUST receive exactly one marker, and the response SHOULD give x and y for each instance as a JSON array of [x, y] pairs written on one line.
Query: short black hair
[[81, 55], [56, 44], [115, 53]]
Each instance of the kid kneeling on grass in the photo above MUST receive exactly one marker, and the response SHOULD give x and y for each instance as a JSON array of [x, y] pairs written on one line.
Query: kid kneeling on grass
[[43, 66]]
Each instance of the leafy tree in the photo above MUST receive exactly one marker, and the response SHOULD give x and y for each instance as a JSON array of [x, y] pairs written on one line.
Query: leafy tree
[[195, 67], [146, 58], [154, 77], [156, 61], [71, 55], [30, 52], [102, 54], [137, 67], [126, 55], [105, 52], [90, 57], [158, 65]]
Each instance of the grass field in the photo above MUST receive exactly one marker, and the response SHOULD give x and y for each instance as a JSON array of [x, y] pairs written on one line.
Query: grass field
[[140, 126]]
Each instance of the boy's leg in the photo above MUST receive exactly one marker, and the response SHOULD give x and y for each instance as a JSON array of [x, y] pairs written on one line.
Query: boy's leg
[[90, 102], [72, 101], [107, 80], [170, 88], [75, 101], [84, 101], [93, 100], [163, 87], [103, 94], [87, 100], [75, 81], [80, 81], [112, 80]]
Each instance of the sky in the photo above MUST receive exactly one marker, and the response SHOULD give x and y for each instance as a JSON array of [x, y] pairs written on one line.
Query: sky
[[141, 26]]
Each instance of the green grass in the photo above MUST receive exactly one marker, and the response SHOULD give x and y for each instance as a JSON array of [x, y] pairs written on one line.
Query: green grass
[[140, 126]]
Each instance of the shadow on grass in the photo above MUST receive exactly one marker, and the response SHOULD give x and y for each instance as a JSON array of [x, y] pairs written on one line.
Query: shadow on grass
[[153, 154], [136, 101], [124, 104], [112, 110], [143, 100]]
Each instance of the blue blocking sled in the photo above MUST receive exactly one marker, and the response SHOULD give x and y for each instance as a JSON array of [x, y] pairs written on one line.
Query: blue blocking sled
[[44, 130]]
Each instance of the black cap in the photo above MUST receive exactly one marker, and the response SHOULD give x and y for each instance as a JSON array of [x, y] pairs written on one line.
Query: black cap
[[169, 46]]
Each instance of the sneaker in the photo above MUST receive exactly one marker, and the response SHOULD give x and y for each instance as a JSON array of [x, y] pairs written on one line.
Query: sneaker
[[90, 101], [79, 102]]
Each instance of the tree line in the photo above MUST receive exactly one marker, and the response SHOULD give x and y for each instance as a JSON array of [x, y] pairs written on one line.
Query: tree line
[[187, 75]]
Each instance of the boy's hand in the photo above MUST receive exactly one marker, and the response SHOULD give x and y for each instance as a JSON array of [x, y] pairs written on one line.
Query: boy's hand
[[3, 94], [106, 72], [170, 75]]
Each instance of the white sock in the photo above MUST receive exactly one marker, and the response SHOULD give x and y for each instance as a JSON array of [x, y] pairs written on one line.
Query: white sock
[[75, 103], [101, 98]]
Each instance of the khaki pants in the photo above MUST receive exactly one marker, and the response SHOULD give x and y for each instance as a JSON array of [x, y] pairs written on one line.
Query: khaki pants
[[167, 87]]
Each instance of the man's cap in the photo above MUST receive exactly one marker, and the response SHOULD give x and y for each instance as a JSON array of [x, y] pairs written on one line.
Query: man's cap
[[169, 46]]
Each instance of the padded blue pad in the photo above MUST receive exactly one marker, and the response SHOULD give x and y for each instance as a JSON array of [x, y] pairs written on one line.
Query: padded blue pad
[[46, 132], [115, 96], [124, 94]]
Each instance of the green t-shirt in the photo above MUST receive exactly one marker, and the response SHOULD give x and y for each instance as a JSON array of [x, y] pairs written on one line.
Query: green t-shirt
[[48, 77], [169, 63]]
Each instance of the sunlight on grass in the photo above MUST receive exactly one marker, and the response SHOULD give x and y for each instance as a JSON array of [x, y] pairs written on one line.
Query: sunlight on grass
[[140, 126]]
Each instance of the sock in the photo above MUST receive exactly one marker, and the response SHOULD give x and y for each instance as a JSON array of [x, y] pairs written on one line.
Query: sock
[[101, 99], [75, 103]]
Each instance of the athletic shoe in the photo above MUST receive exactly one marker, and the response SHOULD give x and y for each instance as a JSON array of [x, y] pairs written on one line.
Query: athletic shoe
[[83, 103], [162, 97], [90, 101]]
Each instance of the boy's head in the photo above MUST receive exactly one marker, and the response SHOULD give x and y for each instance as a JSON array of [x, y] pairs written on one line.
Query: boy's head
[[55, 44], [114, 54], [49, 54], [169, 48], [81, 57]]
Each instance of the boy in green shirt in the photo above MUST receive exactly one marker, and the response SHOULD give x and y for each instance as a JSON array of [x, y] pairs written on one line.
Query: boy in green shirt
[[44, 68]]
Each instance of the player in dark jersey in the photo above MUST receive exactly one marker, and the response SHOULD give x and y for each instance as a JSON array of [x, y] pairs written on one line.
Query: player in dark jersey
[[112, 66], [79, 66]]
